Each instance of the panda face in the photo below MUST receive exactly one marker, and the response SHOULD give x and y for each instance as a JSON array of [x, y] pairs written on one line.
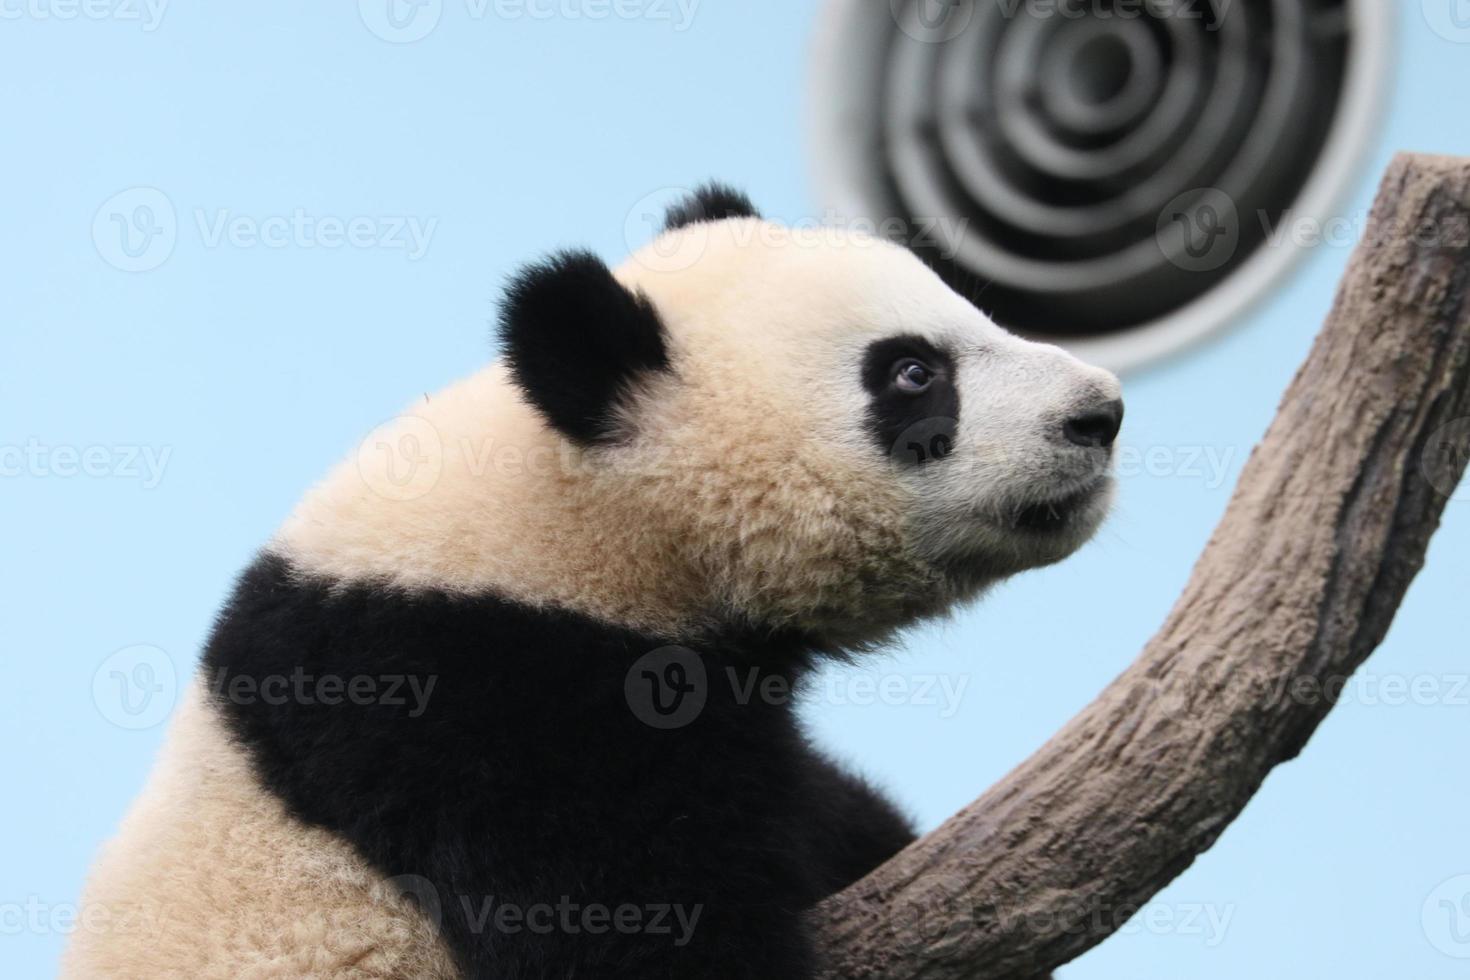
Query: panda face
[[989, 453], [1005, 446], [1008, 462], [742, 423]]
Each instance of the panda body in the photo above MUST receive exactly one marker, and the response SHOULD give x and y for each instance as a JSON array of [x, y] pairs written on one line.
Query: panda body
[[577, 621]]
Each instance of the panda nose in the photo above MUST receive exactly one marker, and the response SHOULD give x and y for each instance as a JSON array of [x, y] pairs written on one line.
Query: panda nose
[[1097, 427]]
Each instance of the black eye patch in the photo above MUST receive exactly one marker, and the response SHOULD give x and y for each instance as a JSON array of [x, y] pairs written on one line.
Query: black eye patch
[[913, 428]]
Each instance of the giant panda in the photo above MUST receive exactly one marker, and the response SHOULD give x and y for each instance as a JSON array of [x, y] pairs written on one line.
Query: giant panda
[[506, 712]]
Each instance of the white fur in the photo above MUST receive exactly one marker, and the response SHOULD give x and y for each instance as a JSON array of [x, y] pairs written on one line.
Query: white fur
[[209, 878], [748, 480]]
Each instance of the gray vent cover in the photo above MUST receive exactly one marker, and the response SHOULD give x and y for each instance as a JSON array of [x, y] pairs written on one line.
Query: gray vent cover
[[1102, 173]]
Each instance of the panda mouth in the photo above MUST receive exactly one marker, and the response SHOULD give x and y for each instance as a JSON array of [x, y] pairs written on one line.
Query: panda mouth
[[1051, 516]]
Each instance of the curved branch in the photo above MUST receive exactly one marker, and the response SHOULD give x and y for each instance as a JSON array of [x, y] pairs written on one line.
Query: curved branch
[[1297, 586]]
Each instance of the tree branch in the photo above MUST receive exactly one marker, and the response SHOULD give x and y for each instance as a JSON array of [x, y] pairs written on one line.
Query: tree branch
[[1297, 586]]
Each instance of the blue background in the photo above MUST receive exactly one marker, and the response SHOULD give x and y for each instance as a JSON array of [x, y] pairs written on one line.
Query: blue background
[[257, 367]]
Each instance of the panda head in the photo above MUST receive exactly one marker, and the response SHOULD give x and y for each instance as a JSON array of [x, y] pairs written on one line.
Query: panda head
[[840, 423], [743, 423]]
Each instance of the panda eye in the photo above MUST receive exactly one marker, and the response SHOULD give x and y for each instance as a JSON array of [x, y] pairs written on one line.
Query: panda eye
[[912, 376]]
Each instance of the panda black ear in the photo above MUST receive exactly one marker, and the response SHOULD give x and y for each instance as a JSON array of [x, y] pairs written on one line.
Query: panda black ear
[[711, 201], [576, 340]]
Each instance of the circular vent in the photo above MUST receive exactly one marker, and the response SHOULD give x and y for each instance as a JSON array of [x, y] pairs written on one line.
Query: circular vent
[[1108, 174]]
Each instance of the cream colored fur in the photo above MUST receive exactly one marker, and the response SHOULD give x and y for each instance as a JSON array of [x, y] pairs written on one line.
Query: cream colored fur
[[747, 480], [210, 879]]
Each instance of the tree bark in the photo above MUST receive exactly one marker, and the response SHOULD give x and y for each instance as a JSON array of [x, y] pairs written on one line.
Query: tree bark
[[1327, 527]]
